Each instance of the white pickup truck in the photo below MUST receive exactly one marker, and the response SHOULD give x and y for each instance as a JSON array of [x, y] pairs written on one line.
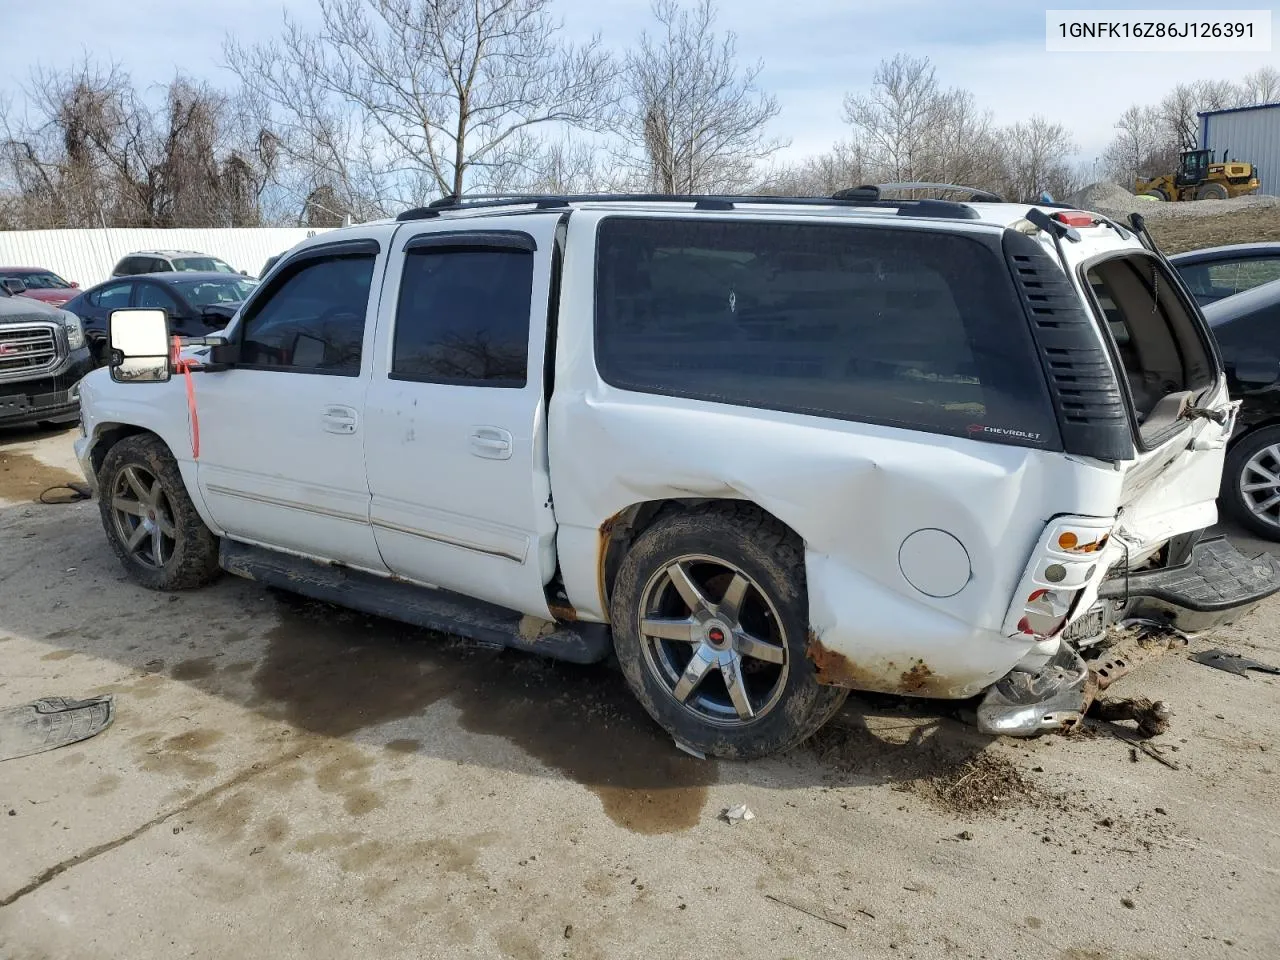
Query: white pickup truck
[[764, 449]]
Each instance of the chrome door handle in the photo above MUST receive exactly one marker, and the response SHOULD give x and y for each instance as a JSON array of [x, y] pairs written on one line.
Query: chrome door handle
[[492, 443], [339, 419]]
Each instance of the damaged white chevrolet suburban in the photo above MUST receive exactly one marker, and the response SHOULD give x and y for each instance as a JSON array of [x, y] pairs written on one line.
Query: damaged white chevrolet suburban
[[764, 449]]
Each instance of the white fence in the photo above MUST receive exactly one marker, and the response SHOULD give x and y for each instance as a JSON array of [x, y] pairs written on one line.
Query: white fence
[[88, 256]]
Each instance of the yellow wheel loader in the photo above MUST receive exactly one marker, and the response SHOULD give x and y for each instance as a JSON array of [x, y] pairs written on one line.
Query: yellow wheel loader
[[1199, 177]]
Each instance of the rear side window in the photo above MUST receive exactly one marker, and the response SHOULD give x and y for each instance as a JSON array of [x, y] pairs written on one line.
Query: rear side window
[[312, 318], [463, 317], [907, 328]]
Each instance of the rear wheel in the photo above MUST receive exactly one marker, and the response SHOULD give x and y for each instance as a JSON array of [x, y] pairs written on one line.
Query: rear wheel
[[1212, 191], [151, 523], [1251, 482], [710, 622]]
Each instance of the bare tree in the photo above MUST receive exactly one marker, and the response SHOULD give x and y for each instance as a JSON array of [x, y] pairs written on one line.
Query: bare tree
[[822, 175], [1038, 158], [392, 99], [912, 129], [1261, 86], [1141, 147], [92, 151], [693, 120]]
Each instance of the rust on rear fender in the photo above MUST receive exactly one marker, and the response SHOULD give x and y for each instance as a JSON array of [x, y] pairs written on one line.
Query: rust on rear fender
[[563, 610], [839, 670], [602, 556]]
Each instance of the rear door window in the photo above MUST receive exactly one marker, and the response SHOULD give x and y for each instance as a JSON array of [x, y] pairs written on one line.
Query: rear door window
[[904, 327], [1157, 337], [113, 296], [463, 317]]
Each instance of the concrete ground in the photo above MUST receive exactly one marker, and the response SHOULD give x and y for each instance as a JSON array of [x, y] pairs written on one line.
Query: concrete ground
[[288, 779]]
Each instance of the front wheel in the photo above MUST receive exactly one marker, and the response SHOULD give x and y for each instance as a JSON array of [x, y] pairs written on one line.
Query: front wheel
[[1212, 191], [151, 523], [1251, 482], [710, 623]]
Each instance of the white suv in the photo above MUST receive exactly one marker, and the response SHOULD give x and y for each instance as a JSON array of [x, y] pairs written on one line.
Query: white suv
[[764, 449]]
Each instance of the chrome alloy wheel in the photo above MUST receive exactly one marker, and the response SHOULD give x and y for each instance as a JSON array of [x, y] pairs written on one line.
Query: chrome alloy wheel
[[1260, 485], [711, 635], [143, 516]]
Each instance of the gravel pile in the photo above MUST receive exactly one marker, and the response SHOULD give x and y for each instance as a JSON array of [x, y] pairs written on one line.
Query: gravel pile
[[1115, 201]]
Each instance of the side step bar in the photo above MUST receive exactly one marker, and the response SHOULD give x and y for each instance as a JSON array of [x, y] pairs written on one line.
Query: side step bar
[[428, 607]]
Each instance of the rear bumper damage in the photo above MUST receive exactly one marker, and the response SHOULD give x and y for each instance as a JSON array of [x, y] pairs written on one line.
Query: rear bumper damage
[[1214, 586]]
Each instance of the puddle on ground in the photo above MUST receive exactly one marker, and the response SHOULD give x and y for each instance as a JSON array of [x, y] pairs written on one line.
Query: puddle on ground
[[23, 478], [334, 671]]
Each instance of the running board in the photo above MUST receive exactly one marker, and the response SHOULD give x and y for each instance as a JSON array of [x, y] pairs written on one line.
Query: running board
[[433, 608]]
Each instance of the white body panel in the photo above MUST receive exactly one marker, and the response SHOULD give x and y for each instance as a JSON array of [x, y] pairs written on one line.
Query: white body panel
[[459, 474], [412, 494]]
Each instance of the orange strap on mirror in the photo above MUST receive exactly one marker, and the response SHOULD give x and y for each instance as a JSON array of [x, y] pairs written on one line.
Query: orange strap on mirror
[[184, 366]]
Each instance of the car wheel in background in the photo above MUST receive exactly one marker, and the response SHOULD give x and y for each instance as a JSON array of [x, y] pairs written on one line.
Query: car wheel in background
[[1251, 482]]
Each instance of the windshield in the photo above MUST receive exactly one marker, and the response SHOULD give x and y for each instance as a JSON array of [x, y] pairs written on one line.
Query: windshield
[[37, 279], [203, 264], [205, 293]]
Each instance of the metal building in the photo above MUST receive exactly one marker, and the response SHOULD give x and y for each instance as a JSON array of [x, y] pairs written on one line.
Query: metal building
[[1250, 134]]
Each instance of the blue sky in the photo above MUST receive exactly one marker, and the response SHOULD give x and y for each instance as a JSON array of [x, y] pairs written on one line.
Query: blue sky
[[813, 50]]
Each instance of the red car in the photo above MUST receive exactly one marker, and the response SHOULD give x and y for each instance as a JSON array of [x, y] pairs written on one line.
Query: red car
[[43, 285]]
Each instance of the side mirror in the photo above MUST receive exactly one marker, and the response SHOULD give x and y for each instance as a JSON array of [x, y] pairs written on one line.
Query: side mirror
[[139, 346], [13, 285]]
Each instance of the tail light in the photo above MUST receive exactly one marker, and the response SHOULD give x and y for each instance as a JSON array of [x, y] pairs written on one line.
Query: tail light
[[1074, 218], [1062, 566]]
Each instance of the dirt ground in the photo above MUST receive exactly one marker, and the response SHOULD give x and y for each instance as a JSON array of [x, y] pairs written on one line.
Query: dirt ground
[[288, 779], [1192, 233]]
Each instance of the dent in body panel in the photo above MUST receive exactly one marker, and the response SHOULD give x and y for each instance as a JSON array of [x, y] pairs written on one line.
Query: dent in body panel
[[853, 493]]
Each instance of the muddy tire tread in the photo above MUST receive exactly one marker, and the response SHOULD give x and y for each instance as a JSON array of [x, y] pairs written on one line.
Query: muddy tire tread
[[195, 562], [806, 707]]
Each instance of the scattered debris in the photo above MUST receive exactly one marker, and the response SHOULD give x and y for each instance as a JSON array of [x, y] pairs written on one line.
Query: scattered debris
[[1138, 641], [79, 491], [1232, 662], [1152, 716], [52, 722], [811, 913], [737, 814], [1135, 744], [964, 835], [568, 930], [1127, 903]]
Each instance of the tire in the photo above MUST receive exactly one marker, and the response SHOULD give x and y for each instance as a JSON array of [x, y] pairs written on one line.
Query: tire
[[1156, 195], [717, 549], [1260, 449], [1212, 191], [129, 502]]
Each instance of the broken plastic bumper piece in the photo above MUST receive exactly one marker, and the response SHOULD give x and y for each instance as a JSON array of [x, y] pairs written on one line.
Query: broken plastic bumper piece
[[1024, 704]]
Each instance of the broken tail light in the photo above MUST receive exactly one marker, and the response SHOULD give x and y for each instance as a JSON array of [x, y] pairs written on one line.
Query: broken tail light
[[1062, 566]]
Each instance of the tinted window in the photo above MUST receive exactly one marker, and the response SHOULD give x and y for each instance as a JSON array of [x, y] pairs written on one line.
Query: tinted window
[[463, 317], [312, 318], [114, 296], [128, 267], [155, 297], [156, 265], [902, 327]]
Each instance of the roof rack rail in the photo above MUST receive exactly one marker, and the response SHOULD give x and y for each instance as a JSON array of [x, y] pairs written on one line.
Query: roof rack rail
[[975, 193], [867, 196]]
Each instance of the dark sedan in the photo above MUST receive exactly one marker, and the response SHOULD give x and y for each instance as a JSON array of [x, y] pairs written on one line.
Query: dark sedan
[[198, 304], [1247, 328], [1216, 273]]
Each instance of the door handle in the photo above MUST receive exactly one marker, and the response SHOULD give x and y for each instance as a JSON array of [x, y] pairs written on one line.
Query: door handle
[[339, 419], [492, 443]]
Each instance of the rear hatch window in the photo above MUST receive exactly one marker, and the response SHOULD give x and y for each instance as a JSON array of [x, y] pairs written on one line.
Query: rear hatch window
[[1158, 339], [910, 328]]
